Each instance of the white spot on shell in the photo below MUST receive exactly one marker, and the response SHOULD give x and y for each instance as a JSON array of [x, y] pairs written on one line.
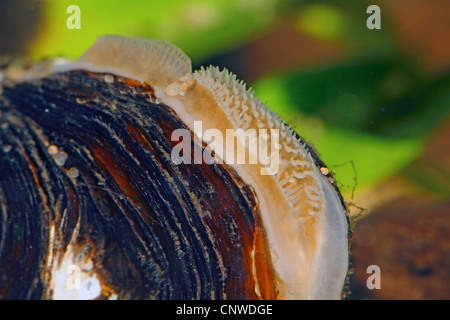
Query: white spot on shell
[[52, 149], [108, 78], [60, 158], [73, 173], [7, 148]]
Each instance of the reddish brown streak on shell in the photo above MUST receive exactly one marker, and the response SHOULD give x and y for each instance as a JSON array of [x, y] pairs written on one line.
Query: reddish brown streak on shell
[[256, 240]]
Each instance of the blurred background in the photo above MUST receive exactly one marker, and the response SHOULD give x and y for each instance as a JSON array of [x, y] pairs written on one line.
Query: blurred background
[[374, 103]]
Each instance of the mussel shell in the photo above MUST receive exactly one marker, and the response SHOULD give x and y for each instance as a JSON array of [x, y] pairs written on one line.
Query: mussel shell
[[153, 229]]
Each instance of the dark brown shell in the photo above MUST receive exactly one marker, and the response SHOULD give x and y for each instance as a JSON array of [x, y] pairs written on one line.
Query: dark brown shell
[[154, 230]]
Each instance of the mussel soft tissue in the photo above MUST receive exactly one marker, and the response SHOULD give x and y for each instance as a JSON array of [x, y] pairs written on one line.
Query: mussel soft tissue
[[125, 175]]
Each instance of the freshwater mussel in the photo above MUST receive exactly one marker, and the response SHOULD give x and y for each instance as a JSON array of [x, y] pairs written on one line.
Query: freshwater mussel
[[118, 180]]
